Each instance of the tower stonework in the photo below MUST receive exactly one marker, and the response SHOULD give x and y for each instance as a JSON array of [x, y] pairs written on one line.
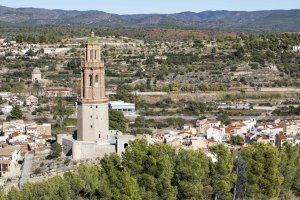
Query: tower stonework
[[92, 122], [94, 139]]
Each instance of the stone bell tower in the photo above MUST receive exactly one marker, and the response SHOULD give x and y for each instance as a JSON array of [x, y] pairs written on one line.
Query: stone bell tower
[[92, 122]]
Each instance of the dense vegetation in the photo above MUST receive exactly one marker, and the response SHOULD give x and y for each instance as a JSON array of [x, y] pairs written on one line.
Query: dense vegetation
[[158, 171], [33, 39], [286, 111], [272, 49]]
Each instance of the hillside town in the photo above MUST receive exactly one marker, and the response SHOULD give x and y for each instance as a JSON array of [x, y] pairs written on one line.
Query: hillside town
[[75, 101]]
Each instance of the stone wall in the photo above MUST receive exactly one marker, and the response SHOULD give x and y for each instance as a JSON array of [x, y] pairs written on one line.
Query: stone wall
[[82, 150]]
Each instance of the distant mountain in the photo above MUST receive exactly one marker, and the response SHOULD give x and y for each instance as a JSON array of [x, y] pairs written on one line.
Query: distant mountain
[[240, 21]]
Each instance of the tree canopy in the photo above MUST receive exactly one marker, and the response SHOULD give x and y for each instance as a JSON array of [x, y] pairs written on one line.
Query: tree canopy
[[158, 171]]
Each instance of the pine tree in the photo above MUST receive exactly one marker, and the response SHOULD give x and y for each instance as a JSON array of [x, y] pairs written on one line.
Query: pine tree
[[222, 173], [16, 113], [263, 176]]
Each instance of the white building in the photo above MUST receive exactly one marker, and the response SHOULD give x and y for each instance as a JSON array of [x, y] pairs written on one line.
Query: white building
[[216, 133], [9, 157], [6, 109], [296, 48], [126, 108], [56, 50], [13, 126], [5, 95], [36, 75], [203, 124], [37, 129]]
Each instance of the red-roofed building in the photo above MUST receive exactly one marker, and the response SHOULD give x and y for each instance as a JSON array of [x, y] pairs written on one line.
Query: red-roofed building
[[280, 139]]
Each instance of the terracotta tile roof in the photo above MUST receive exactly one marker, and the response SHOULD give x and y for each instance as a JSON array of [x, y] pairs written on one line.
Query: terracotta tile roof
[[212, 140], [281, 136], [43, 136], [279, 126], [5, 162], [8, 150], [238, 123], [217, 127], [15, 134], [229, 130]]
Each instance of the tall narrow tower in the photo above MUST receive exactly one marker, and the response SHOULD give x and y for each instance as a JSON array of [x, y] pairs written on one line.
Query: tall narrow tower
[[92, 122]]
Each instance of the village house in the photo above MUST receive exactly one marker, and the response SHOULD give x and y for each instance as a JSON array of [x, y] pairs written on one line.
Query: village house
[[3, 139], [5, 95], [217, 133], [56, 50], [35, 129], [42, 139], [16, 101], [126, 108], [172, 135], [13, 126], [36, 75], [6, 109], [295, 48], [58, 92], [188, 131], [9, 157], [32, 101], [289, 127], [176, 143], [280, 140], [263, 139], [239, 127], [198, 143], [268, 128], [19, 139], [204, 124]]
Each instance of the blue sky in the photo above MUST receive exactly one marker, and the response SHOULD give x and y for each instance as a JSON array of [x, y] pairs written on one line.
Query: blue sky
[[155, 6]]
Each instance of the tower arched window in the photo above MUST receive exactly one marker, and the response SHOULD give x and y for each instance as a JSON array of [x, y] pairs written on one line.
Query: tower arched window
[[96, 54], [91, 80], [96, 78], [91, 54]]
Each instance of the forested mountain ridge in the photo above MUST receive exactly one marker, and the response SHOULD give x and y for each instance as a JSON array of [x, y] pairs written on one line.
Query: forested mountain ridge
[[239, 21]]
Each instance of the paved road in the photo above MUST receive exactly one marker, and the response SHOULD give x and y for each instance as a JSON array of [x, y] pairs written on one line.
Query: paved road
[[26, 169], [213, 117]]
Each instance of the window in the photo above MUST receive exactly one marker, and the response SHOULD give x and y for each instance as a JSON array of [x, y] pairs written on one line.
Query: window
[[91, 54], [91, 106], [95, 54], [96, 106], [99, 135], [96, 78], [91, 126], [91, 116], [91, 80]]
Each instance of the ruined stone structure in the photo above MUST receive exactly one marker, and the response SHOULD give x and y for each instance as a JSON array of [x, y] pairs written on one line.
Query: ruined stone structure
[[93, 138]]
